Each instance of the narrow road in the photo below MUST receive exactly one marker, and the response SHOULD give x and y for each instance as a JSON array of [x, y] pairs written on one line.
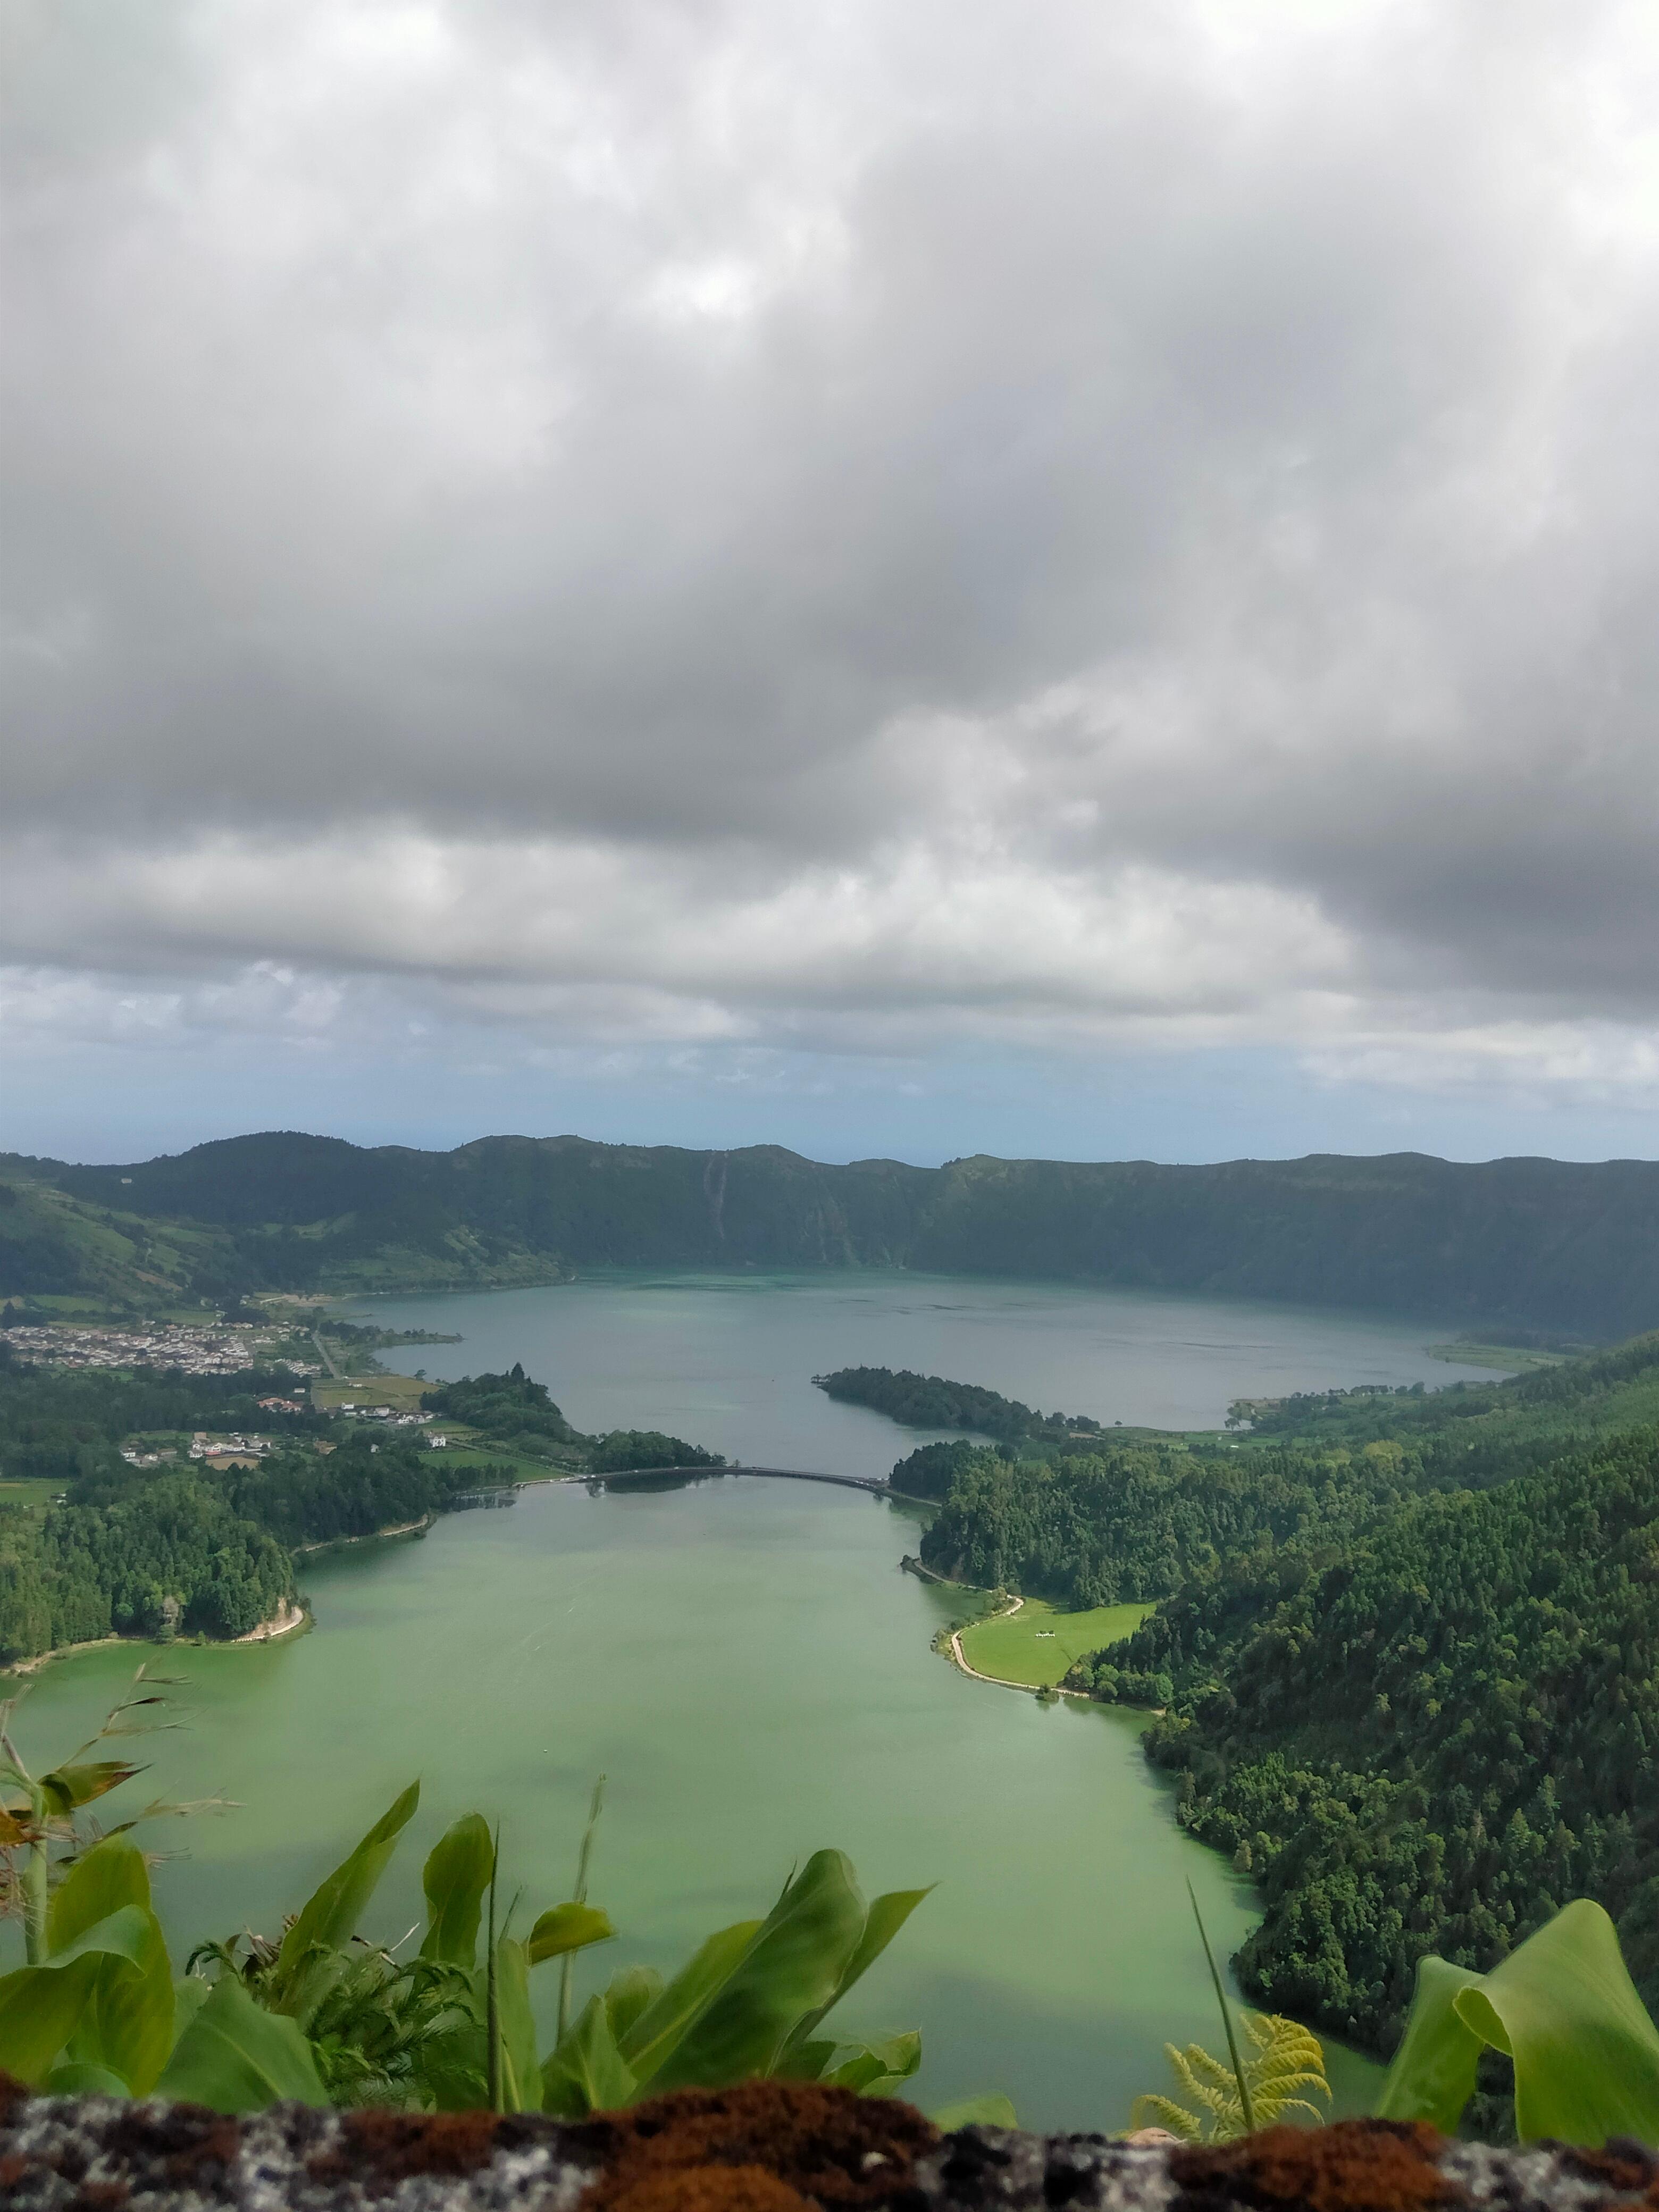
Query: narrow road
[[325, 1356]]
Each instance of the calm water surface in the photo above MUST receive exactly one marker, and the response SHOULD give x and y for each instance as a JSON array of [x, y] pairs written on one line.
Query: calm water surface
[[745, 1662], [727, 1360]]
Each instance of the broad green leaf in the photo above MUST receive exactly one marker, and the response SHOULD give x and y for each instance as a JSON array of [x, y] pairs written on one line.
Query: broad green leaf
[[41, 2006], [522, 2084], [807, 2062], [110, 1875], [586, 2073], [627, 1994], [120, 1934], [79, 2077], [1432, 2074], [1586, 2054], [236, 2058], [127, 2026], [67, 1787], [676, 2009], [189, 1996], [992, 2112], [876, 2069], [882, 1922], [564, 1928], [329, 1919], [39, 2009], [456, 1876], [792, 1970]]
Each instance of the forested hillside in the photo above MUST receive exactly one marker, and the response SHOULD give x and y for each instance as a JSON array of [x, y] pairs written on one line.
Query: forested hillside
[[1102, 1528], [1433, 1740], [1536, 1244], [1409, 1677]]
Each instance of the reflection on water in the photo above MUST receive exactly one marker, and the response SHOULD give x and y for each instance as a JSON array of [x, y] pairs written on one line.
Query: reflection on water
[[650, 1479]]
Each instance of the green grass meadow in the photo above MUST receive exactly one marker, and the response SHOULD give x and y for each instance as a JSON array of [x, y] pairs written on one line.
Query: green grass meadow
[[1036, 1644]]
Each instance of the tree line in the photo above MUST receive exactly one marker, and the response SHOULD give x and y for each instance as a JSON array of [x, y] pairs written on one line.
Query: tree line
[[1409, 1683]]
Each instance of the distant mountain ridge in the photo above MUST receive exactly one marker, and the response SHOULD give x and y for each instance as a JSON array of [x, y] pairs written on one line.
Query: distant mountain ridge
[[1537, 1243]]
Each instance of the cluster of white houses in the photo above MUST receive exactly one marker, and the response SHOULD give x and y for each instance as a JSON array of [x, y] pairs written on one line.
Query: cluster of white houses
[[191, 1351]]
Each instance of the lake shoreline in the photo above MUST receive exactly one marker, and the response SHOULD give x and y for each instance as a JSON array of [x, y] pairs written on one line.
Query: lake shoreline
[[373, 1536], [265, 1631]]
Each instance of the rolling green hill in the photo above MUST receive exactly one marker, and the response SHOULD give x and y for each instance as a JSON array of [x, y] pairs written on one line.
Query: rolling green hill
[[1530, 1244], [81, 1256]]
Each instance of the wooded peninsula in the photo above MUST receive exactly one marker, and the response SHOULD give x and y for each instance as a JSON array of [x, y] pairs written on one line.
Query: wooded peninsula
[[96, 1540], [1405, 1650]]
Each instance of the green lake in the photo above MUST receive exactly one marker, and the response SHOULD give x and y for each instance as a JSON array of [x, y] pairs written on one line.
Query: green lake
[[743, 1659]]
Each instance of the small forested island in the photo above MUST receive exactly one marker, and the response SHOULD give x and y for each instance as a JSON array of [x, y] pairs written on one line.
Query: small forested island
[[1406, 1651], [929, 1402], [144, 1504]]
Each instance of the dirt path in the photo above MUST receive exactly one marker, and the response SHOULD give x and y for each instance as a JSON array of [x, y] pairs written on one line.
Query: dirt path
[[291, 1618], [334, 1543]]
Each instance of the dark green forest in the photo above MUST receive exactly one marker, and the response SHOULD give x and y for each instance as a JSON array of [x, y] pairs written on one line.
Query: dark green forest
[[929, 1402], [507, 1408], [1526, 1244], [184, 1548], [1406, 1654], [181, 1548], [517, 1414]]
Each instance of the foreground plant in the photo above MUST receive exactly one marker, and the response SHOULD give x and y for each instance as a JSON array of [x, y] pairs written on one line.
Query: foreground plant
[[320, 2015], [1562, 2007], [1246, 2093], [1284, 2060], [44, 1824]]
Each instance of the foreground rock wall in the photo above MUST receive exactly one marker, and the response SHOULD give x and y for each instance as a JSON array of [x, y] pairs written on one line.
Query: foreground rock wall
[[764, 2148]]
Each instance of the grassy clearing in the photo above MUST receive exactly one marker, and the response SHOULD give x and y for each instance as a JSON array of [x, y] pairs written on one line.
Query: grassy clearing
[[403, 1391], [1036, 1644], [32, 1494], [493, 1467]]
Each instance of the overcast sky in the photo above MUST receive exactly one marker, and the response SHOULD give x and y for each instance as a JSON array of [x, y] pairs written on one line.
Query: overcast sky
[[1072, 576]]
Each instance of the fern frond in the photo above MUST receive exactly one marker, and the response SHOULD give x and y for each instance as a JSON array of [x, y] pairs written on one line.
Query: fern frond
[[1288, 2057], [1301, 2105], [1151, 2111], [1285, 2058], [1194, 2065]]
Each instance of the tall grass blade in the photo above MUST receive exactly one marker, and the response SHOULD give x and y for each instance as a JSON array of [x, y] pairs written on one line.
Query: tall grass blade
[[492, 1995], [579, 1896], [1245, 2103]]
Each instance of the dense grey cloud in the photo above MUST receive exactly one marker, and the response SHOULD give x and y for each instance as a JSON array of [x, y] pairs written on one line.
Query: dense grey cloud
[[752, 524]]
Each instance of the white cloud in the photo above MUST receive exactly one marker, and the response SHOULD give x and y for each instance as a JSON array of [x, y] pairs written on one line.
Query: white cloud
[[760, 529]]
